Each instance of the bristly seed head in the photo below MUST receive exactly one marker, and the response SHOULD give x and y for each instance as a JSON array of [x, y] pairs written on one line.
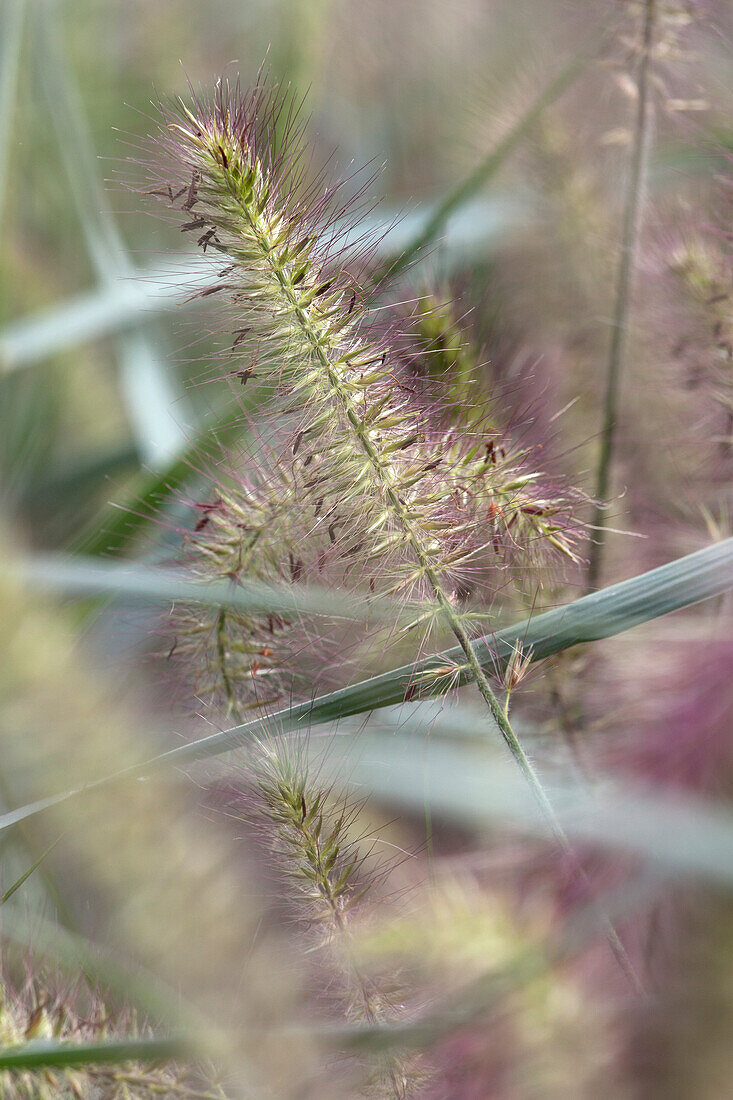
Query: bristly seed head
[[423, 507], [309, 834]]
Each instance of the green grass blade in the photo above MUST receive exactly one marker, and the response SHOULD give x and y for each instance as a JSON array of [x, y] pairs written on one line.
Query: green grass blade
[[150, 389], [603, 614], [45, 1053], [11, 41], [145, 584], [127, 300], [679, 584], [156, 406], [680, 834], [27, 874], [131, 299], [631, 229], [66, 113], [488, 167]]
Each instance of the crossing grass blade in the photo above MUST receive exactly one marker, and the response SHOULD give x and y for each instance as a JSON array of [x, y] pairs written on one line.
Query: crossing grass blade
[[484, 171], [675, 833], [679, 584], [144, 584], [124, 301], [149, 387], [27, 873], [603, 614], [131, 298], [48, 1053]]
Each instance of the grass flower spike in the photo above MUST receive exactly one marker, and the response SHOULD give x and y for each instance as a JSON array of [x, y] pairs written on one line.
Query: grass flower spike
[[416, 500], [383, 463], [367, 684], [308, 832]]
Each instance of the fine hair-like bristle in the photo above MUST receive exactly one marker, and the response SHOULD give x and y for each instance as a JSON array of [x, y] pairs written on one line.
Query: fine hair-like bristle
[[374, 470], [414, 499]]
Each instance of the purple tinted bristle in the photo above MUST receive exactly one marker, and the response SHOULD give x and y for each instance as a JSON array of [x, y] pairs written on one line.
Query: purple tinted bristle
[[377, 479]]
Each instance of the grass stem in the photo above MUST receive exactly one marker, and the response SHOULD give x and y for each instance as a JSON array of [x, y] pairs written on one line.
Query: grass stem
[[630, 234], [452, 618]]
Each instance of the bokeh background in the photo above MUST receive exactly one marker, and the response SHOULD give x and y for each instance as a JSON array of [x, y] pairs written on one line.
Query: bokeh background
[[98, 386], [109, 394]]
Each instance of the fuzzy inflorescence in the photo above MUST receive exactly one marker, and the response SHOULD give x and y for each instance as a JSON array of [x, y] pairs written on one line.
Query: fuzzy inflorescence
[[309, 833], [409, 494], [418, 501], [309, 839], [250, 528], [421, 503]]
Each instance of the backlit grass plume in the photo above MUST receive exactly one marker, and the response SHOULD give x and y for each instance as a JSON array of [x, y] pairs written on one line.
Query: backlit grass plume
[[416, 500], [386, 462], [400, 485], [309, 832], [264, 524]]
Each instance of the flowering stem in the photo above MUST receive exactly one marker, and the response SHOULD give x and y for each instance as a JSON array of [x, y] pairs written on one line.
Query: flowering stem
[[325, 864], [290, 311], [401, 516], [627, 262], [221, 653], [222, 642], [403, 520]]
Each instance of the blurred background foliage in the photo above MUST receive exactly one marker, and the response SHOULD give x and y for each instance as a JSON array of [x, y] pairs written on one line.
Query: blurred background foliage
[[422, 90], [103, 360]]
